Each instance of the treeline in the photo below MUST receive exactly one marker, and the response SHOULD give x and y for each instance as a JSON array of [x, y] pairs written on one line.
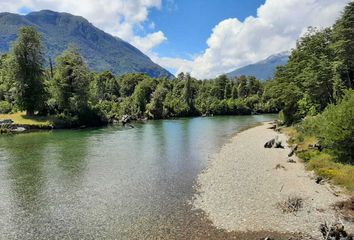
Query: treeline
[[315, 86], [142, 97], [68, 90]]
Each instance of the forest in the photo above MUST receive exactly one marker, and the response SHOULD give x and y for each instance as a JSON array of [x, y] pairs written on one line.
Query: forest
[[68, 90]]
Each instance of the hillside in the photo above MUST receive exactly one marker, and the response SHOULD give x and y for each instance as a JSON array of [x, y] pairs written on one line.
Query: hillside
[[101, 50], [264, 69]]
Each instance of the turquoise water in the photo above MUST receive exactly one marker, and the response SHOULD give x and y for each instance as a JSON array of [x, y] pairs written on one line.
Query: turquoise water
[[109, 183]]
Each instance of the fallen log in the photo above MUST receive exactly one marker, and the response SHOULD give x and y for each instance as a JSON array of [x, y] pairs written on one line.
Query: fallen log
[[270, 143], [293, 150], [334, 232]]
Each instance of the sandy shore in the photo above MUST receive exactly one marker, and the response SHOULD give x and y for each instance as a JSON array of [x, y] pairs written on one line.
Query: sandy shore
[[241, 189]]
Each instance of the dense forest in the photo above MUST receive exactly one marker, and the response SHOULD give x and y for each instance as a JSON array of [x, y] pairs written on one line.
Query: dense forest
[[69, 91]]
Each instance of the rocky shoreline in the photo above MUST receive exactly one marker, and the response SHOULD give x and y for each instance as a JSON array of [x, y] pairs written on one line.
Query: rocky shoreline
[[248, 187]]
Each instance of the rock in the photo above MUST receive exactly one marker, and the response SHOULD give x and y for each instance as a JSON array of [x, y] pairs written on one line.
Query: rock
[[319, 180], [275, 142], [125, 119], [293, 149], [279, 166], [273, 127], [267, 238], [6, 121], [291, 160], [18, 129], [270, 143], [315, 147], [278, 144]]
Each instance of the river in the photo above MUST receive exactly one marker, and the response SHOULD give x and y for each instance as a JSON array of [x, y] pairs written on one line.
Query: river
[[112, 182]]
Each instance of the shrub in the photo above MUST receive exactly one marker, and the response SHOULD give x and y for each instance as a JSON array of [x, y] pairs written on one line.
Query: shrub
[[336, 128], [5, 107]]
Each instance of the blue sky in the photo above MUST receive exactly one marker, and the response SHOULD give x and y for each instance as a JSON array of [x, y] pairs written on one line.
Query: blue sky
[[187, 24], [203, 37]]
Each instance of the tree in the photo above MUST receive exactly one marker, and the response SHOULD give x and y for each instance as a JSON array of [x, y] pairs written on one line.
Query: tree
[[343, 44], [220, 87], [71, 81], [336, 128], [188, 91], [142, 94], [6, 83], [254, 86], [104, 86], [242, 87], [128, 83], [155, 108], [27, 70]]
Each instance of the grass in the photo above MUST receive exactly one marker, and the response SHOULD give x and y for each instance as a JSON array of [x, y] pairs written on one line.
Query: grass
[[322, 163], [340, 174], [38, 121]]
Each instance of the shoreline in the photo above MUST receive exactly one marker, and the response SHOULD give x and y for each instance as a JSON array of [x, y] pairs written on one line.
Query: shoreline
[[245, 184], [30, 128]]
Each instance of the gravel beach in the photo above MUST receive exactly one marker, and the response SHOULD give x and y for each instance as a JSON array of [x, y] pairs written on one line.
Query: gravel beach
[[241, 189]]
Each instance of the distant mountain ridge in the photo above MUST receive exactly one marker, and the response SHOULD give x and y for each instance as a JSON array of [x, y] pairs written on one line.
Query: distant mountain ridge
[[101, 50], [264, 69]]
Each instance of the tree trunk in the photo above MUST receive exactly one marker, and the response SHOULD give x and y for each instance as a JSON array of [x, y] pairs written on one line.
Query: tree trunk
[[30, 113]]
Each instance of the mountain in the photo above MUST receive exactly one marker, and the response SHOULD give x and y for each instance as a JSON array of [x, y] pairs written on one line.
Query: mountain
[[264, 69], [100, 50]]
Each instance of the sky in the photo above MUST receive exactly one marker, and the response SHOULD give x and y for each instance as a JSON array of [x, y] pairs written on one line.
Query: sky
[[203, 37]]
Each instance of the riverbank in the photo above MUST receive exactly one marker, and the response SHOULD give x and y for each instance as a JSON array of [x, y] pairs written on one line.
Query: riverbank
[[19, 122], [246, 186]]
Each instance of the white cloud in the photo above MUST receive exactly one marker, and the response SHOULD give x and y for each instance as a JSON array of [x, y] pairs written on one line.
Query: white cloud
[[232, 43], [277, 26], [117, 17]]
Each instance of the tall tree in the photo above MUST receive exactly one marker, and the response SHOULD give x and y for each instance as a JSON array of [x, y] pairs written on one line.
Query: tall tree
[[242, 87], [343, 44], [71, 81], [220, 87], [27, 70], [188, 91]]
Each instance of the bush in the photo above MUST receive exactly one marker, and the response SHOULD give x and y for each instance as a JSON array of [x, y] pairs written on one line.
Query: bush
[[5, 107], [336, 128]]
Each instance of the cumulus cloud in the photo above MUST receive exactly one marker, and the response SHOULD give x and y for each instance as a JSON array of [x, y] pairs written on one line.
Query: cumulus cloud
[[232, 43], [277, 26], [117, 17]]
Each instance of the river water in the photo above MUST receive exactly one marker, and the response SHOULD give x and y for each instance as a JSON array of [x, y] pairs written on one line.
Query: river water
[[112, 182]]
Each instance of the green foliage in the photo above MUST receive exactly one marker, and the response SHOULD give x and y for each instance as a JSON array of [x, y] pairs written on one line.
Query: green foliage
[[242, 90], [188, 93], [80, 97], [143, 94], [343, 45], [155, 108], [336, 128], [320, 69], [71, 82], [26, 70], [104, 86], [128, 83], [5, 107]]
